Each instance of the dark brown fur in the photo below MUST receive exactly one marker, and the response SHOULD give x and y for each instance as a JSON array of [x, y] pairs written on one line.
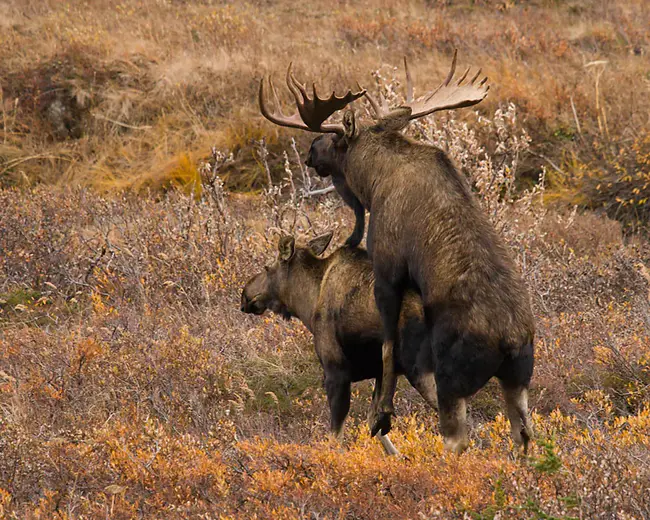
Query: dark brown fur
[[427, 232]]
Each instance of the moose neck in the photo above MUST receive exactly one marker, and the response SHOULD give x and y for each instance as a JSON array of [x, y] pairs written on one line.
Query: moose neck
[[304, 288], [371, 160]]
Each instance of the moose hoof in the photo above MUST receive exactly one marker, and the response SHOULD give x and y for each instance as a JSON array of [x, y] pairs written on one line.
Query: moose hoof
[[456, 445], [381, 424]]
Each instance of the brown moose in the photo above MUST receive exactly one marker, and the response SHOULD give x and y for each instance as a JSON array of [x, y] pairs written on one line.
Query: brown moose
[[428, 233], [333, 297]]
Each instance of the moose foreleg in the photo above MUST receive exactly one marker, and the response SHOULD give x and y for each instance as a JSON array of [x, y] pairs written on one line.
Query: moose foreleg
[[359, 211], [389, 302], [337, 386], [389, 447]]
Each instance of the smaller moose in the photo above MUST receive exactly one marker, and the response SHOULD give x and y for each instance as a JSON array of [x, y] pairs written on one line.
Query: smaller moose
[[334, 298]]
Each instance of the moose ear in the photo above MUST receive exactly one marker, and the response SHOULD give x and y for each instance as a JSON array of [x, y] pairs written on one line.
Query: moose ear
[[398, 119], [350, 125], [286, 247], [319, 244]]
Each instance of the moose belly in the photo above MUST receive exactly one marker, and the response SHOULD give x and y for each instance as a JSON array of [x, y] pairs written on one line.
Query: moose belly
[[364, 357], [363, 354]]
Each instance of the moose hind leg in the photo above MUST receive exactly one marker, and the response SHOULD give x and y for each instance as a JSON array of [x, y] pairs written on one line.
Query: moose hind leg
[[515, 374], [453, 423], [386, 443], [517, 406], [389, 302], [337, 387]]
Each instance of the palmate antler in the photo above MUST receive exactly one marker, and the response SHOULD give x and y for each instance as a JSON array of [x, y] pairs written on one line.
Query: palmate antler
[[446, 97], [312, 112]]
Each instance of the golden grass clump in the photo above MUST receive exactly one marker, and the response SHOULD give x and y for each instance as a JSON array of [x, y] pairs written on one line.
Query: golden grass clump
[[109, 95]]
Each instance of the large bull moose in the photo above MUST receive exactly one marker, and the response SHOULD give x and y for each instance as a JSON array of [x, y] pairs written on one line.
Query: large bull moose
[[426, 232]]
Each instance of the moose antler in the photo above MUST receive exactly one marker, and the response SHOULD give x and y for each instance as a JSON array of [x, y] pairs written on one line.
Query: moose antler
[[446, 97], [312, 112]]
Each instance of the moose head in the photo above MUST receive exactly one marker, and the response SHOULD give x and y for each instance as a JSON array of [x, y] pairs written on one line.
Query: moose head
[[283, 286]]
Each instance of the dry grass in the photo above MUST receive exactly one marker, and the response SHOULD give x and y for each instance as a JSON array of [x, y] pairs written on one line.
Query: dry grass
[[131, 384], [146, 83]]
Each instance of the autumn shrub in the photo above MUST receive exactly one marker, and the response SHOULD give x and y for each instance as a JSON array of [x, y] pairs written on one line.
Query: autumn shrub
[[615, 178]]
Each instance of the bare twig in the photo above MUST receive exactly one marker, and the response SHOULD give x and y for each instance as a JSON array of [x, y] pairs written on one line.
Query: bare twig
[[322, 191], [575, 117], [551, 163], [264, 155], [212, 180], [306, 179]]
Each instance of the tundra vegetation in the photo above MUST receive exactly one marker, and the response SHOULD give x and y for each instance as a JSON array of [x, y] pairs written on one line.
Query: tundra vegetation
[[131, 385]]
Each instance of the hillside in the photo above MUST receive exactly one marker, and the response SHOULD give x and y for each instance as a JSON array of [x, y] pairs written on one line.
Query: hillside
[[115, 95]]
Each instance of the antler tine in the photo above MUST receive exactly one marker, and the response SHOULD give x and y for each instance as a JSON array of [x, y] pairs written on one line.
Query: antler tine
[[384, 103], [293, 84], [376, 107], [276, 99], [452, 70], [373, 103], [409, 82], [277, 116], [302, 88], [462, 78]]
